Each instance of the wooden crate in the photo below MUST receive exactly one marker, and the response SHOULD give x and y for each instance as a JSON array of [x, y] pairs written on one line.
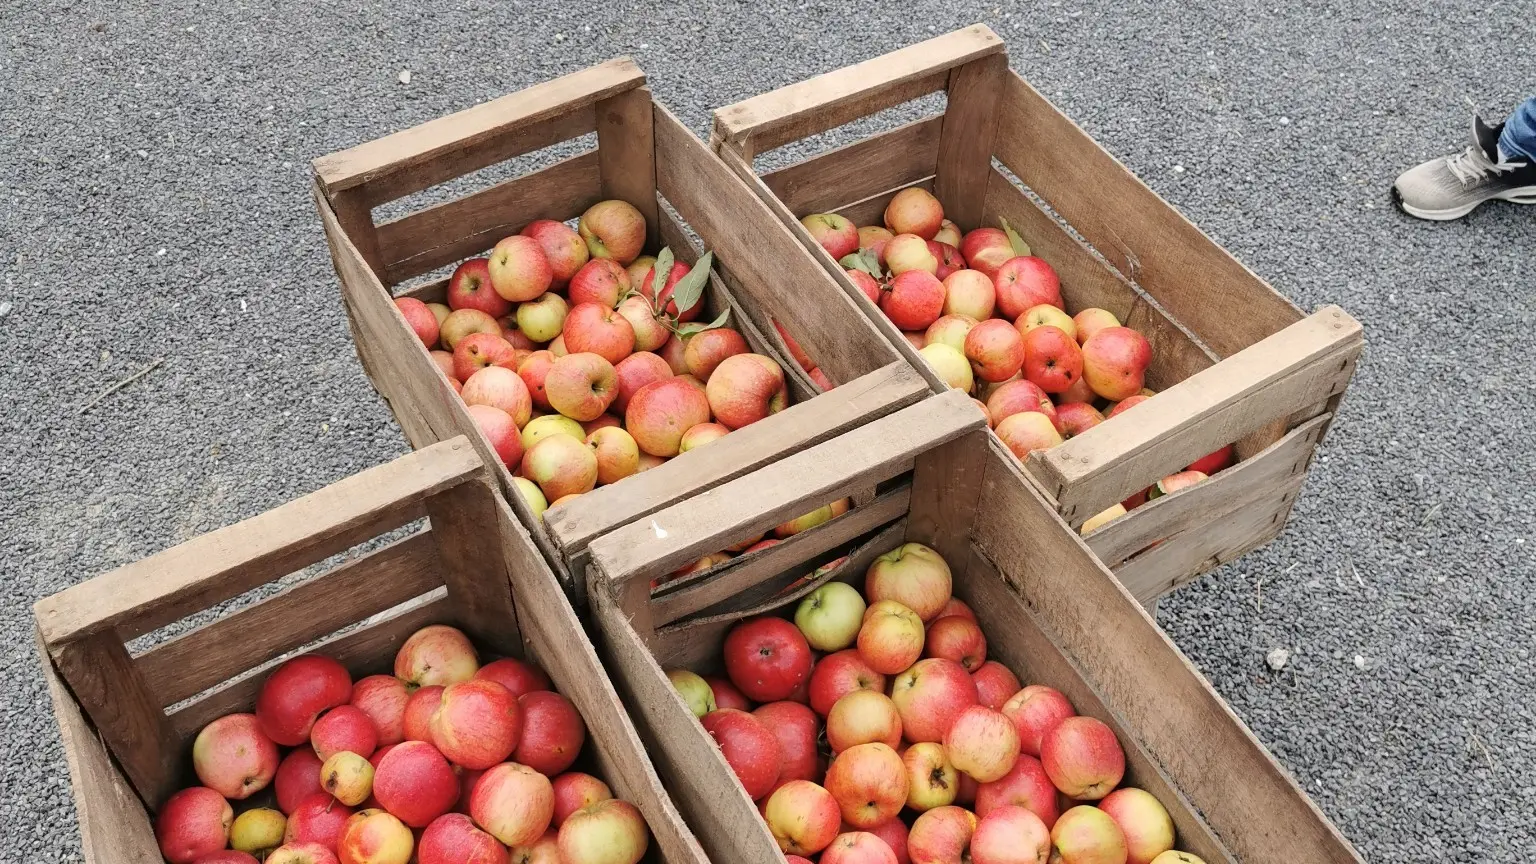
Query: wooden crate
[[642, 152], [1051, 612], [1234, 361], [128, 720]]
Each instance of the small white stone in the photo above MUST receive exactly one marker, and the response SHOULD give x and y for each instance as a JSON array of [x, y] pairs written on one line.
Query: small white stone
[[1178, 169], [142, 153], [161, 253], [5, 308], [1285, 121], [1277, 658], [559, 37], [1359, 662], [405, 76]]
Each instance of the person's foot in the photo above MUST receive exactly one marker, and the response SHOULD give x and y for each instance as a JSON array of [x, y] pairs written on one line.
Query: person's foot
[[1452, 186]]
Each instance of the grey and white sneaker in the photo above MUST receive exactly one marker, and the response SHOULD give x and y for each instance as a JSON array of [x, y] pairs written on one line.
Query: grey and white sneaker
[[1453, 186]]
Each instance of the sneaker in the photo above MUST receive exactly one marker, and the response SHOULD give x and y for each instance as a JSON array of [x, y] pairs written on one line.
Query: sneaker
[[1452, 186]]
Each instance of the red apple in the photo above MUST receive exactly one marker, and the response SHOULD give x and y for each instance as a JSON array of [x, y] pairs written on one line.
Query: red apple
[[601, 281], [414, 782], [986, 249], [1082, 758], [383, 698], [862, 717], [1091, 321], [749, 748], [995, 684], [803, 817], [453, 839], [553, 732], [519, 269], [958, 639], [500, 388], [894, 833], [913, 300], [478, 723], [891, 637], [931, 780], [858, 847], [833, 232], [636, 371], [949, 258], [318, 819], [1035, 711], [969, 293], [1025, 785], [574, 790], [533, 370], [661, 411], [470, 288], [866, 284], [297, 778], [1011, 835], [582, 385], [913, 575], [726, 694], [647, 288], [796, 726], [870, 784], [613, 229], [293, 696], [514, 803], [419, 708], [796, 353], [839, 674], [1075, 418], [437, 654], [820, 516], [477, 351], [651, 333], [1131, 402], [956, 606], [982, 743], [421, 320], [874, 238], [561, 465], [700, 435], [563, 248], [1027, 432], [1052, 359], [1115, 362], [995, 349], [1025, 282], [231, 856], [1143, 820], [234, 758], [673, 350], [608, 832], [942, 836], [766, 658], [344, 728], [1210, 463], [704, 352], [598, 329], [1087, 835], [1016, 397], [744, 389], [930, 696], [192, 823], [444, 361], [914, 210]]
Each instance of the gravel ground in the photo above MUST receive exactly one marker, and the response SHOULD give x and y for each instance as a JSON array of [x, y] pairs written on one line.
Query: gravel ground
[[156, 206]]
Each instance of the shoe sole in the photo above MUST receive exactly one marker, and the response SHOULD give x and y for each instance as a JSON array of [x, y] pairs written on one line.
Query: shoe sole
[[1522, 195]]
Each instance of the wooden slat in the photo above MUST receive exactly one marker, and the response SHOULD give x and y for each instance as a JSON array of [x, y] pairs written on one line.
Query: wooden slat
[[356, 218], [435, 291], [1201, 505], [1195, 279], [475, 565], [871, 210], [946, 486], [870, 166], [223, 648], [172, 584], [443, 234], [576, 525], [754, 503], [1204, 749], [626, 152], [827, 101], [1302, 365], [965, 150], [455, 145]]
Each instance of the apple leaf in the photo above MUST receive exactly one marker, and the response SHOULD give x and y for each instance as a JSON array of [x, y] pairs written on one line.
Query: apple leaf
[[863, 260], [1017, 242], [659, 273], [695, 327], [689, 289]]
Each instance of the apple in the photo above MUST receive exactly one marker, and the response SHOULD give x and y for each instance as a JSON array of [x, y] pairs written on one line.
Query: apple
[[563, 248], [748, 746], [819, 516], [1052, 359], [1046, 315], [453, 838], [918, 340], [874, 238], [256, 832], [941, 836], [930, 696], [766, 658], [1174, 856], [986, 249], [344, 728], [477, 723], [949, 330], [950, 365], [192, 823], [796, 727], [500, 388], [534, 370], [1082, 758], [726, 694], [1027, 432], [543, 318], [1025, 785], [598, 329], [477, 351], [651, 333], [803, 817], [839, 674], [1087, 835], [519, 270], [915, 211], [301, 853], [913, 300], [516, 337], [911, 574], [1210, 463], [600, 281], [995, 350], [574, 790], [1023, 283], [1130, 402], [995, 683], [444, 361], [233, 757], [1142, 819], [420, 319], [415, 782], [833, 232], [297, 778], [861, 717], [617, 454], [866, 284], [582, 385], [1035, 711], [375, 838], [1174, 483], [463, 322], [513, 802], [607, 832], [1011, 835], [796, 353], [956, 606], [830, 616], [636, 371], [638, 267], [470, 288], [436, 655], [858, 847], [1075, 418], [613, 229], [982, 743], [1016, 397], [869, 783], [1092, 320], [949, 233], [553, 732], [419, 709], [694, 691], [700, 435], [500, 430], [549, 425], [561, 465], [440, 311], [318, 819], [660, 412], [949, 258], [745, 388], [907, 253], [295, 693], [348, 777], [1115, 361], [931, 780], [704, 352], [969, 293], [891, 637], [958, 639], [532, 495]]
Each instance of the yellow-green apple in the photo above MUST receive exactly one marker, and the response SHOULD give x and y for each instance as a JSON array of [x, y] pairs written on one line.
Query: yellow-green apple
[[1102, 518], [293, 696], [982, 743], [454, 839], [1142, 819], [995, 350], [298, 777], [348, 777], [834, 232], [766, 658], [563, 248], [1046, 315], [661, 411], [1212, 462], [830, 616], [914, 210], [1027, 432], [581, 386], [1130, 402], [862, 717], [607, 832], [1052, 359], [500, 430], [420, 319], [444, 361], [911, 574], [519, 270], [1017, 397], [417, 722], [744, 389], [517, 676], [869, 782], [874, 238], [913, 300], [440, 311], [1082, 758], [436, 655], [636, 371], [907, 253], [600, 281], [949, 258], [748, 746], [462, 322], [949, 330], [858, 847], [532, 495], [561, 465], [377, 838], [1091, 321], [1078, 392], [192, 823], [540, 428], [618, 456], [931, 780], [543, 318], [1075, 418], [318, 819], [478, 351], [698, 436], [694, 691], [646, 285], [704, 352], [821, 515], [233, 757], [598, 329], [797, 728], [650, 332], [949, 233], [950, 365], [258, 831], [638, 267], [574, 790], [533, 370], [553, 732], [1175, 482], [478, 723], [301, 853], [930, 696], [1025, 785], [839, 674], [803, 817], [1087, 835], [513, 802], [501, 388], [1035, 711], [613, 229], [470, 288], [969, 293], [958, 639], [1011, 835], [1115, 362], [1023, 283], [1173, 856], [866, 284], [891, 638], [941, 836], [986, 249]]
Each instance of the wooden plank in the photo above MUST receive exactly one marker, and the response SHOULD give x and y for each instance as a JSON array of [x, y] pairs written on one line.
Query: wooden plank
[[772, 119], [455, 145], [576, 525], [626, 151], [1203, 504], [790, 487], [169, 585], [1195, 279], [1250, 802], [965, 150], [946, 485], [1300, 366], [223, 648], [445, 233], [474, 567], [356, 218], [870, 166], [871, 210], [435, 291]]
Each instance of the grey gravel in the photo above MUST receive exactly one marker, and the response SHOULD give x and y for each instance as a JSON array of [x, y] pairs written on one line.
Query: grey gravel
[[156, 204]]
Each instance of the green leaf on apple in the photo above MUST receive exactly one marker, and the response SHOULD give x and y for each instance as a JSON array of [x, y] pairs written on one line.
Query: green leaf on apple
[[690, 289], [690, 329], [1014, 240], [659, 273], [864, 261]]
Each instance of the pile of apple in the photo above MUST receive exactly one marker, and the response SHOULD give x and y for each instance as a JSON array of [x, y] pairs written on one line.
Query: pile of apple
[[936, 753], [445, 761], [989, 318], [580, 359]]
